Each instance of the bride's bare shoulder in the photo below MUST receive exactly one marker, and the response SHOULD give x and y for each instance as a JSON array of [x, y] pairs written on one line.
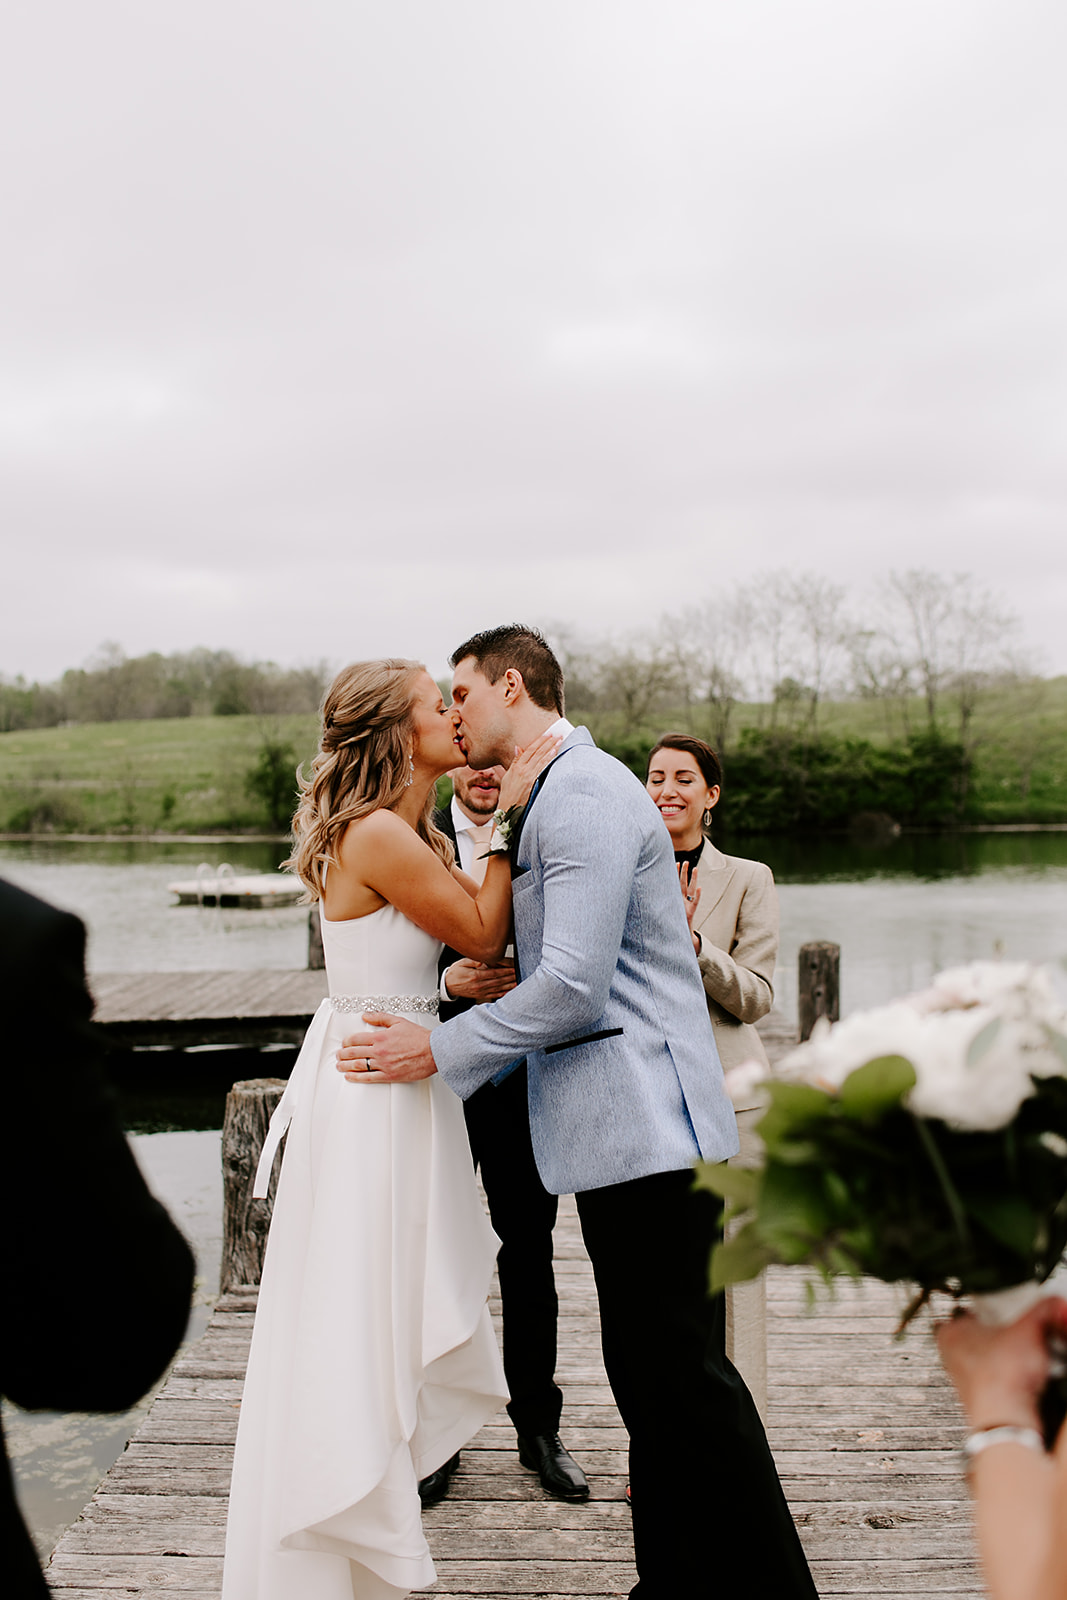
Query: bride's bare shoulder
[[379, 831]]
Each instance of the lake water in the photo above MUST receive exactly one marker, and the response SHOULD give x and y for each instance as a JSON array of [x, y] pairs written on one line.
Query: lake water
[[900, 912]]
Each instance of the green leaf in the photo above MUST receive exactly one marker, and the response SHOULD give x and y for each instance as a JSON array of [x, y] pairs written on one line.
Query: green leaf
[[741, 1258], [952, 1199], [1010, 1220], [794, 1215], [982, 1041], [739, 1184], [793, 1107], [842, 1263], [877, 1087]]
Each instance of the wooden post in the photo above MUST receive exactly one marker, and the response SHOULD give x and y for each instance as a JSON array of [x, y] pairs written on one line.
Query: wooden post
[[819, 980], [245, 1221], [316, 954]]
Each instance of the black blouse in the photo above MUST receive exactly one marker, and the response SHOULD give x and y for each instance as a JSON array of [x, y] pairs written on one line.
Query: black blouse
[[689, 857]]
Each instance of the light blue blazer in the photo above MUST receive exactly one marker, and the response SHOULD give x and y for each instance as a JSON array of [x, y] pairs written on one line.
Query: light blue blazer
[[624, 1076]]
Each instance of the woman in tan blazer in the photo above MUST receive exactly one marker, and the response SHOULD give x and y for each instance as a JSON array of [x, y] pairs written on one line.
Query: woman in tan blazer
[[732, 903]]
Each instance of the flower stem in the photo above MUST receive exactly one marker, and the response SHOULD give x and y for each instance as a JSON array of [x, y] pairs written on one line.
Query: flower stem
[[948, 1188]]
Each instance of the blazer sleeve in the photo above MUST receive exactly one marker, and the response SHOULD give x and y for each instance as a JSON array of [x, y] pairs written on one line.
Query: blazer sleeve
[[97, 1278], [588, 872], [741, 980]]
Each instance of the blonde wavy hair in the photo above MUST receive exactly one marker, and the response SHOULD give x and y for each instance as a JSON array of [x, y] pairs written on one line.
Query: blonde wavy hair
[[362, 765]]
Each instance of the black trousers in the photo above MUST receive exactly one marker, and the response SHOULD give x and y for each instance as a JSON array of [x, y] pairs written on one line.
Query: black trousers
[[709, 1514], [523, 1214]]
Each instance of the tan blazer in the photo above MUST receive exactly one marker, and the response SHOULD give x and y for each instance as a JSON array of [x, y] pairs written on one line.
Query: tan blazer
[[737, 920]]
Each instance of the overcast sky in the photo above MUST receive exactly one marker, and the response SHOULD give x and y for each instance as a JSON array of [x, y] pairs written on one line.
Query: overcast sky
[[335, 328]]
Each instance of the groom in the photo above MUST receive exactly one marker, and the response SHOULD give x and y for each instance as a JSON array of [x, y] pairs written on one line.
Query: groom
[[625, 1094]]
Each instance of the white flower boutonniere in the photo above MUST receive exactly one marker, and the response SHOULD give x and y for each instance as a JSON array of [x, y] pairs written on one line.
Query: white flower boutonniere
[[503, 837]]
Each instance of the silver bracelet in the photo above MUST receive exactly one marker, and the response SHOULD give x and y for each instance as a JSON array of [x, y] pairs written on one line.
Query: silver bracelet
[[1004, 1433]]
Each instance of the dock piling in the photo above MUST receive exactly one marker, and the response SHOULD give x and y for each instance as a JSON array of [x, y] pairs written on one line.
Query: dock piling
[[245, 1221], [819, 984]]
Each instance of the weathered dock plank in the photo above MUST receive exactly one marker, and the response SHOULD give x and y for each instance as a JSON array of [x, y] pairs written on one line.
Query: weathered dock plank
[[864, 1430], [179, 1009]]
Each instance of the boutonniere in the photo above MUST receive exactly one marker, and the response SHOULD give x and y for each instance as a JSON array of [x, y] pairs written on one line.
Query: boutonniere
[[507, 823]]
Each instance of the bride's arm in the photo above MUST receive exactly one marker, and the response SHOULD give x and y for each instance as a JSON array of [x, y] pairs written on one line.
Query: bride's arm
[[384, 854]]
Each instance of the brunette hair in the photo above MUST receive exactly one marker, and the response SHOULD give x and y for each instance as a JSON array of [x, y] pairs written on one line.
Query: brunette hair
[[523, 650], [702, 753], [361, 765]]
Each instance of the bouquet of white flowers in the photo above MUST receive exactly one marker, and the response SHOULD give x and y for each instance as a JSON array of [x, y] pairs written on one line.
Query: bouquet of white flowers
[[923, 1142]]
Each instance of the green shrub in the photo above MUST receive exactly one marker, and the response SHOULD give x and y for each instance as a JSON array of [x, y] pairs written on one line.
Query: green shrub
[[785, 782], [272, 780]]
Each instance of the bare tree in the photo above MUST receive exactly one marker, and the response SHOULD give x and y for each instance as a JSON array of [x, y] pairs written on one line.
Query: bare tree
[[958, 638], [923, 603], [879, 670], [635, 679], [819, 629], [979, 650], [705, 644]]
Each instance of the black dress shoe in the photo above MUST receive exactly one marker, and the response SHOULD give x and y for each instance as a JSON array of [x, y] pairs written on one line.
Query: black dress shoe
[[560, 1474], [435, 1487]]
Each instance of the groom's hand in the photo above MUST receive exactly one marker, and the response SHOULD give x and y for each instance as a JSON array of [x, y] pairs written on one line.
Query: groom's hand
[[397, 1051]]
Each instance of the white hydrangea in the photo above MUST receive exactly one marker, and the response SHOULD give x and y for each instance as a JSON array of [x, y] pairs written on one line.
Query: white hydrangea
[[976, 1038]]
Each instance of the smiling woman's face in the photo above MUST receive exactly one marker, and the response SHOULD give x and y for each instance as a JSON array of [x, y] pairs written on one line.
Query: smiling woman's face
[[680, 790]]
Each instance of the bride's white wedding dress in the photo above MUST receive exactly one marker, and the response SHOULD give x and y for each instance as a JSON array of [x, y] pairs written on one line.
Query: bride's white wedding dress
[[373, 1357]]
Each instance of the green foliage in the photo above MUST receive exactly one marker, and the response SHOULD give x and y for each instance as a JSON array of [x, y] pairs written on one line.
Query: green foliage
[[183, 774], [784, 781], [99, 776], [854, 1183], [780, 781], [272, 780], [120, 688]]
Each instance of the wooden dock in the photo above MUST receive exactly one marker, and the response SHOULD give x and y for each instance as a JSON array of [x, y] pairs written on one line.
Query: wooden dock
[[180, 1009], [864, 1431]]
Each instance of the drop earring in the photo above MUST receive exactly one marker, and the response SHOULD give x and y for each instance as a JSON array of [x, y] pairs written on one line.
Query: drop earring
[[706, 819], [411, 772]]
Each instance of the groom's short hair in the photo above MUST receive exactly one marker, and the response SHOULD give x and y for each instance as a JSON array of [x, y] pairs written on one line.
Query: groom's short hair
[[522, 650]]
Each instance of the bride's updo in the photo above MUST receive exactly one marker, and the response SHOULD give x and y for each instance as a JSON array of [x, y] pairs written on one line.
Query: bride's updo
[[361, 766]]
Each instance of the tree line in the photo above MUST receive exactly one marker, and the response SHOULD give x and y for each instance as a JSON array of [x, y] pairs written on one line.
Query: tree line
[[756, 667], [923, 645], [114, 687], [825, 705]]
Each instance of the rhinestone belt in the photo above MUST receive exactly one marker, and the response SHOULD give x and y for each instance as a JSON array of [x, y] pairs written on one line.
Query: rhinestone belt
[[386, 1002]]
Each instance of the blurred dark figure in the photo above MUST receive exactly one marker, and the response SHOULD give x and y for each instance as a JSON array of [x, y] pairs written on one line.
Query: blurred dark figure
[[97, 1280]]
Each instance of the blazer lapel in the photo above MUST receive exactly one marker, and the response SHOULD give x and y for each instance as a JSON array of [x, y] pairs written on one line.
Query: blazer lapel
[[713, 879], [536, 790]]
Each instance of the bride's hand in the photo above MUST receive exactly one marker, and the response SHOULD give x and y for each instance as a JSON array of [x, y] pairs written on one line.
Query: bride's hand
[[526, 768]]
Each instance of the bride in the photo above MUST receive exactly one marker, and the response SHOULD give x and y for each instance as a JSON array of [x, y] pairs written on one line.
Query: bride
[[373, 1358]]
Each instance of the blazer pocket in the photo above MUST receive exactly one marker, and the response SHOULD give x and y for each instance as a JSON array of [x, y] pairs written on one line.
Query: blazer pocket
[[586, 1038]]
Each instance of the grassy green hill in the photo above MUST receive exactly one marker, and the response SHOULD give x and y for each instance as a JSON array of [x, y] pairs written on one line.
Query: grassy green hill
[[189, 774], [178, 774]]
